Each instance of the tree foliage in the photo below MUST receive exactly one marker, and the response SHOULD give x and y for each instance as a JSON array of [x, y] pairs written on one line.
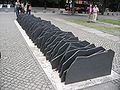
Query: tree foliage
[[112, 4]]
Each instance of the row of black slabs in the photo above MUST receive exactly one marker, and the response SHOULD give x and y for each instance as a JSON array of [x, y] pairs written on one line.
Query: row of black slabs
[[75, 60]]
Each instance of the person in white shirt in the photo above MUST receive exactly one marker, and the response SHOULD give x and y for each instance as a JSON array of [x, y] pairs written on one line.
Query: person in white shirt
[[17, 7], [95, 13], [22, 7]]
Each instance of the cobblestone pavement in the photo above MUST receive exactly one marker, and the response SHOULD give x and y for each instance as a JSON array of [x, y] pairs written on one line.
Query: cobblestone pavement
[[19, 70], [107, 43]]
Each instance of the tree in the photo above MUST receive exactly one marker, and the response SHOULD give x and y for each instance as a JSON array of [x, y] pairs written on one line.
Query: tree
[[103, 4], [113, 5]]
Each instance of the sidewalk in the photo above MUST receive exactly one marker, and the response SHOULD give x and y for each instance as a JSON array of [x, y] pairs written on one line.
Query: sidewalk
[[19, 69]]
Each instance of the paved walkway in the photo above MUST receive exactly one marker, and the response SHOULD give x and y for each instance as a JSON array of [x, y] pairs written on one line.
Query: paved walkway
[[19, 70]]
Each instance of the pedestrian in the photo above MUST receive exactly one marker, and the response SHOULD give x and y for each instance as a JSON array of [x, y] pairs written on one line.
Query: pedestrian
[[17, 7], [95, 13], [25, 8], [29, 8], [22, 7], [90, 13], [70, 5]]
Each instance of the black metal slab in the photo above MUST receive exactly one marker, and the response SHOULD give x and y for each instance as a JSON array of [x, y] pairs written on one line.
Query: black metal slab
[[84, 68], [61, 43], [78, 43], [60, 59], [51, 39], [70, 52], [88, 52]]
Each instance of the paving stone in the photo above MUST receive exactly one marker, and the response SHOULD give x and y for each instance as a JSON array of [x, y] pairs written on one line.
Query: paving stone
[[19, 68]]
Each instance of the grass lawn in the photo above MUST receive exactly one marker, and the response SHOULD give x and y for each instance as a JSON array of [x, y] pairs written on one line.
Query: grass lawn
[[115, 22], [104, 28]]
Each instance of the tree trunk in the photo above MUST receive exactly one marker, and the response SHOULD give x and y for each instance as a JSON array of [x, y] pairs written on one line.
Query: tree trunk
[[104, 6]]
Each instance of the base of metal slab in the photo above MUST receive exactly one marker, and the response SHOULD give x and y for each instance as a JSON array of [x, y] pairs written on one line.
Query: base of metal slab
[[54, 76]]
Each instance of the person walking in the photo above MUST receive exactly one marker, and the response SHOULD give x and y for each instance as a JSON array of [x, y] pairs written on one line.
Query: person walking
[[22, 7], [90, 13], [25, 8], [29, 8], [17, 7], [70, 6], [95, 13]]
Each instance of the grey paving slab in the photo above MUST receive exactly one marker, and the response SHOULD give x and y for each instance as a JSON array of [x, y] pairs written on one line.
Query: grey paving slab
[[105, 86], [19, 70]]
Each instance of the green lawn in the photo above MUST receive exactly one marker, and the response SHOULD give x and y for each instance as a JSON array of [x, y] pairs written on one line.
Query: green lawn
[[104, 28], [115, 22]]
